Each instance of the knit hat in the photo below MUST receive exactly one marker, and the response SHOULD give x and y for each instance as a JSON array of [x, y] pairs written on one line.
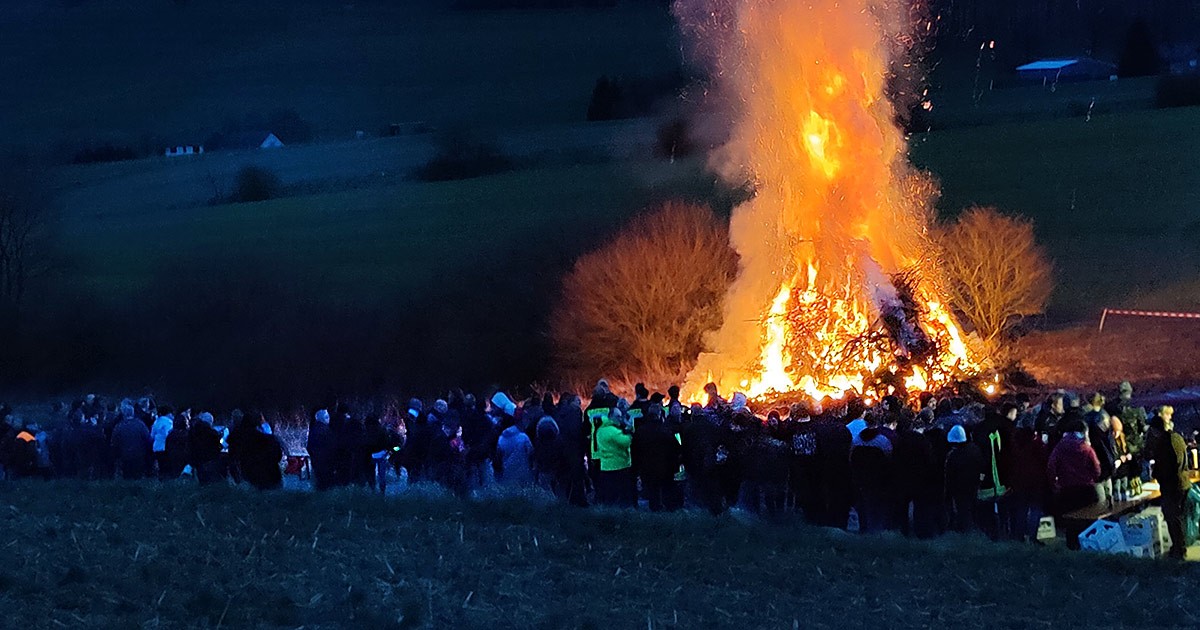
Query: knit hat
[[500, 400], [957, 435]]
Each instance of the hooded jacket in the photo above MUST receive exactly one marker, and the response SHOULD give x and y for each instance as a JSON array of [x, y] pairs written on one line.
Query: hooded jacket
[[515, 453], [548, 454], [613, 446], [159, 431]]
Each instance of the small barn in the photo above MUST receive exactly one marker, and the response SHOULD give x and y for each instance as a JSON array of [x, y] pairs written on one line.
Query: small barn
[[1069, 69], [247, 140], [184, 149]]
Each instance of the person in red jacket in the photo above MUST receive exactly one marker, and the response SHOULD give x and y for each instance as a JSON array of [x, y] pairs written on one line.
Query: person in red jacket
[[1073, 469]]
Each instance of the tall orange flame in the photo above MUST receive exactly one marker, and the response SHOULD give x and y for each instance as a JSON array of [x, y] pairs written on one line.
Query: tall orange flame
[[837, 212]]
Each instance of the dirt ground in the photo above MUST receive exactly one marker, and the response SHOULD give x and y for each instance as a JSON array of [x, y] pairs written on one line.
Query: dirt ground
[[1154, 355]]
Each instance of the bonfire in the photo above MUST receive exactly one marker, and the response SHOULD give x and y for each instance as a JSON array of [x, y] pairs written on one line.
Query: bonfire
[[839, 288]]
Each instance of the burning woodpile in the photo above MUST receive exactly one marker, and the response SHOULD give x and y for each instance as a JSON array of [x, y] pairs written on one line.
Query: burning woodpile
[[839, 287]]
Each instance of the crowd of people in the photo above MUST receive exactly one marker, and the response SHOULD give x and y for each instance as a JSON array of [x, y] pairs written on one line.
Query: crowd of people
[[921, 467]]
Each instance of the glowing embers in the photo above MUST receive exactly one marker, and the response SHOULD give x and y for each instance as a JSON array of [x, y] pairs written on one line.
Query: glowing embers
[[825, 345]]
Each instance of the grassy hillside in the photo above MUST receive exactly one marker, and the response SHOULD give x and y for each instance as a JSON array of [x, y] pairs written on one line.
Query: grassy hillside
[[383, 240], [175, 71], [1116, 199], [131, 556]]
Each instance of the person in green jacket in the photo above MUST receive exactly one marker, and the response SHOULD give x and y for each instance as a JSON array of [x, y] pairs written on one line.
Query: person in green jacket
[[615, 484]]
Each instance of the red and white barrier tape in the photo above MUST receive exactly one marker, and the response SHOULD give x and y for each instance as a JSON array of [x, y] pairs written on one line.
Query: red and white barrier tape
[[1166, 314]]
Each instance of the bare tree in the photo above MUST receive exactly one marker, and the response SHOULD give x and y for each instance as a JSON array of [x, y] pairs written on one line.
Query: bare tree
[[639, 306], [998, 273], [24, 221]]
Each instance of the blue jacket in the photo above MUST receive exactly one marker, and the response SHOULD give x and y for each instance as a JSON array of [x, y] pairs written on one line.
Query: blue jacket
[[515, 452]]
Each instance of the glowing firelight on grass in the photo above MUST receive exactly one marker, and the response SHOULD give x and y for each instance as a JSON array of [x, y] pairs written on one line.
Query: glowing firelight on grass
[[839, 217]]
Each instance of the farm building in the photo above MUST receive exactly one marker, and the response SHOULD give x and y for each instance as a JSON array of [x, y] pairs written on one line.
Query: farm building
[[1071, 69], [253, 140], [248, 140], [184, 149]]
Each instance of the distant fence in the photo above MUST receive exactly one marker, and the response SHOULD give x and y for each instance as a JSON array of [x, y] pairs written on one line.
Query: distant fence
[[1159, 314]]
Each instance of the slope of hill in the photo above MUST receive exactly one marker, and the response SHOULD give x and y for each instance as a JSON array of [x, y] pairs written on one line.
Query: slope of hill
[[114, 559]]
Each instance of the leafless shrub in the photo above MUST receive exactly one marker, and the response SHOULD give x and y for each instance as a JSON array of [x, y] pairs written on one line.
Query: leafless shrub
[[639, 306], [997, 272]]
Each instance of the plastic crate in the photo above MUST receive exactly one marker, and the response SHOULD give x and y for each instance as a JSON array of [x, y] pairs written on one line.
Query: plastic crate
[[1142, 536], [1146, 551], [1156, 513], [1104, 537], [1047, 529]]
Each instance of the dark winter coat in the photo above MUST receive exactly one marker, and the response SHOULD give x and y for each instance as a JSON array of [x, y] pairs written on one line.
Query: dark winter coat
[[918, 472], [548, 449], [872, 471], [1030, 456], [992, 437], [177, 450], [131, 447], [238, 441], [767, 460], [701, 438], [833, 456], [479, 435], [93, 454], [320, 454], [377, 438], [964, 466], [656, 453], [1105, 447], [415, 455], [572, 434], [447, 464], [1169, 451], [259, 459], [23, 455], [204, 444]]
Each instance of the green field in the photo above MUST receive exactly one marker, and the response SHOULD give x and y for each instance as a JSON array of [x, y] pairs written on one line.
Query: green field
[[386, 239], [122, 556], [1116, 196], [1116, 199]]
